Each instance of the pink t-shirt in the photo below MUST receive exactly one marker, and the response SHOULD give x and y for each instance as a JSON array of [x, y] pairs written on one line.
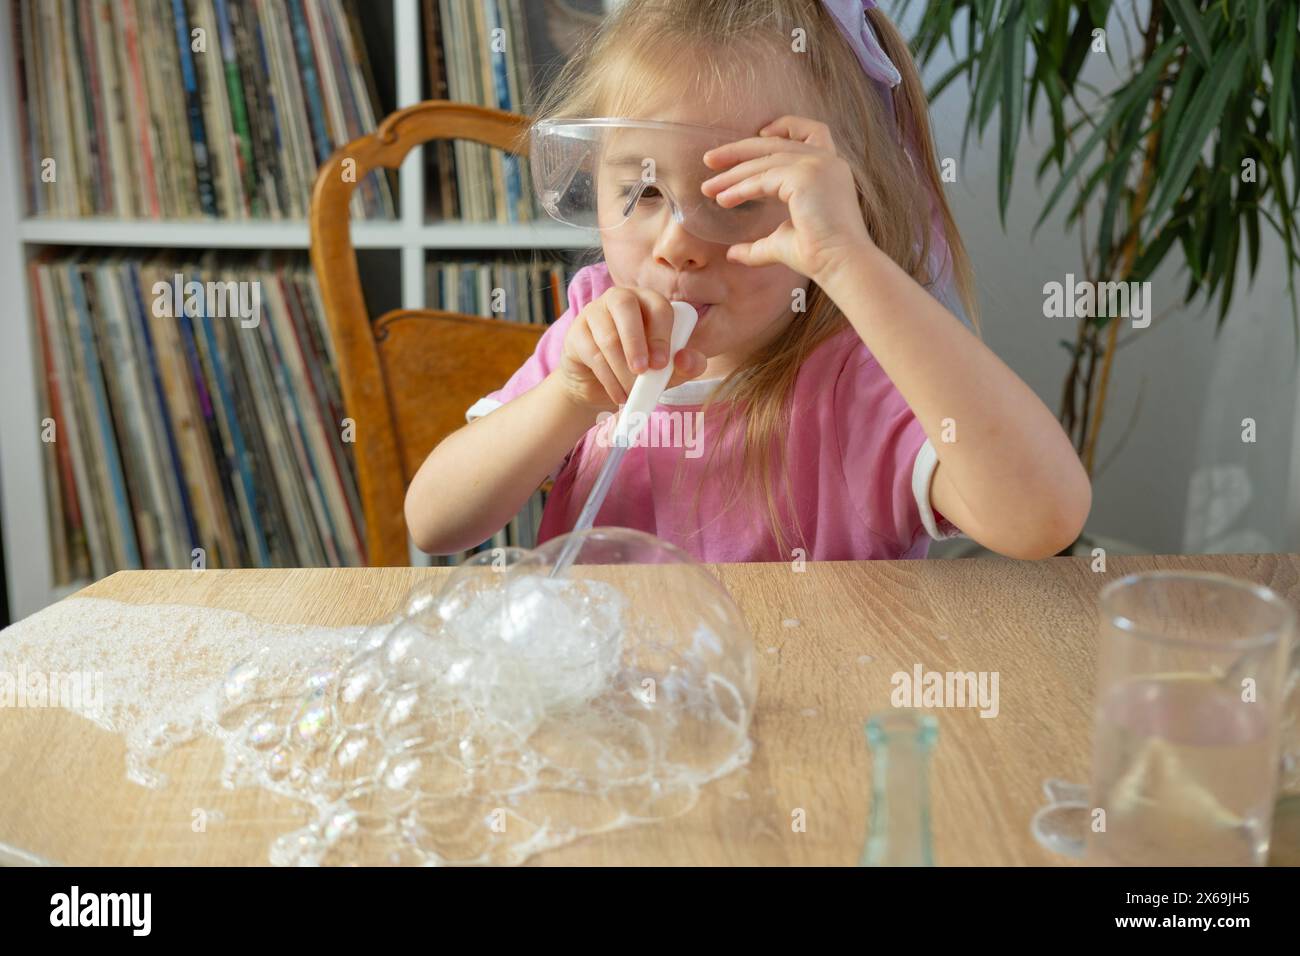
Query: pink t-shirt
[[860, 464]]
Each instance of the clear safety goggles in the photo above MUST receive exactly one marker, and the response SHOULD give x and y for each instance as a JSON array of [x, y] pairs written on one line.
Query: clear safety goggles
[[632, 175]]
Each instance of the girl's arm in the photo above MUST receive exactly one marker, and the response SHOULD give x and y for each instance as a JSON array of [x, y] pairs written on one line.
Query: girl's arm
[[1011, 480], [479, 476]]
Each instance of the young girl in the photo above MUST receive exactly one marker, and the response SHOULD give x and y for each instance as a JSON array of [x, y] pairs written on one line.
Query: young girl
[[770, 162]]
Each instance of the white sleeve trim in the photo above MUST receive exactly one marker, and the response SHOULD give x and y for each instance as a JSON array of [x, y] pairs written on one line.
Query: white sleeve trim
[[481, 408], [927, 459]]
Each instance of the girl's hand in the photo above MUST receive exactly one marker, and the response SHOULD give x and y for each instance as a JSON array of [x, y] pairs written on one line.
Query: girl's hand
[[794, 159], [613, 340]]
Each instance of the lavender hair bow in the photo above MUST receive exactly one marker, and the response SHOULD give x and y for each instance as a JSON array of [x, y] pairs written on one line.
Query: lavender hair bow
[[851, 15]]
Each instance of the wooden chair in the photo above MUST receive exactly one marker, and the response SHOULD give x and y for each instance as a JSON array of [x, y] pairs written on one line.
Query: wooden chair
[[408, 376]]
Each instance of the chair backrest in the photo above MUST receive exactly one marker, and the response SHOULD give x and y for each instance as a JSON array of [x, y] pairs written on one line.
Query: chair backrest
[[408, 376]]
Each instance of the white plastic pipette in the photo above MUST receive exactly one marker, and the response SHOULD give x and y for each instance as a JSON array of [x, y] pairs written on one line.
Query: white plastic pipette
[[632, 421]]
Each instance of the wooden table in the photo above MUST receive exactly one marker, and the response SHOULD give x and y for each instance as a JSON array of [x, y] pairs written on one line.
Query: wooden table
[[65, 797]]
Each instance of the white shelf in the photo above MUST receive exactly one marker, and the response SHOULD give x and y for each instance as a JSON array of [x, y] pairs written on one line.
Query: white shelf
[[209, 234]]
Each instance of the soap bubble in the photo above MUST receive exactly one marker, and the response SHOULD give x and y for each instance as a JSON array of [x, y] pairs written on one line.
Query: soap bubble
[[502, 712]]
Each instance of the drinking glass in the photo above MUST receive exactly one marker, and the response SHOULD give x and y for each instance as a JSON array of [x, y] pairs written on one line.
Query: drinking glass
[[1192, 675]]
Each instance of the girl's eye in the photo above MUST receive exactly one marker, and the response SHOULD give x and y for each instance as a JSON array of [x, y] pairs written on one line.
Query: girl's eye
[[651, 192]]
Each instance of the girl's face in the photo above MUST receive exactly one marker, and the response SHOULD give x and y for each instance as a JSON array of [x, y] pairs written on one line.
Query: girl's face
[[748, 306]]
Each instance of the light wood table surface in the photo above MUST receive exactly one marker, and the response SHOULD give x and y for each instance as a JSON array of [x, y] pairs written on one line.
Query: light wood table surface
[[65, 797]]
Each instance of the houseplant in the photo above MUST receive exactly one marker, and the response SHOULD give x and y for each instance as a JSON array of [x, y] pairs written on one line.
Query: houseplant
[[1184, 154]]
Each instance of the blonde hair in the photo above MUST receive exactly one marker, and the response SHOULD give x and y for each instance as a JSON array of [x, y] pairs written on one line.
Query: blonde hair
[[718, 49]]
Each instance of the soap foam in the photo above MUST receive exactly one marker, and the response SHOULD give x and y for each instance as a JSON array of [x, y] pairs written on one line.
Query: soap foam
[[498, 716]]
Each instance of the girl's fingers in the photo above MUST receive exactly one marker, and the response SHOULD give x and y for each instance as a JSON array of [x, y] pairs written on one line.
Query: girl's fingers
[[630, 325], [741, 149], [585, 347], [687, 364], [604, 326], [801, 129], [631, 332], [760, 252], [741, 253], [770, 182], [740, 171], [658, 329]]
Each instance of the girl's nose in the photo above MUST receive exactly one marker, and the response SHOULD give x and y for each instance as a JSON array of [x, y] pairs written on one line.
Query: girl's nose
[[678, 249]]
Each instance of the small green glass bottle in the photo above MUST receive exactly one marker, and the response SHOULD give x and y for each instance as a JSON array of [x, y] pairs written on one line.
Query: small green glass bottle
[[899, 830]]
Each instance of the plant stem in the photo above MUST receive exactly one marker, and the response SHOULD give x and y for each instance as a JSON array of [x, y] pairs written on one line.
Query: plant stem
[[1129, 257]]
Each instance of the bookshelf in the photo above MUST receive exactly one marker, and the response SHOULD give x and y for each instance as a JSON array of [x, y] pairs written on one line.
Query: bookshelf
[[292, 235], [409, 239]]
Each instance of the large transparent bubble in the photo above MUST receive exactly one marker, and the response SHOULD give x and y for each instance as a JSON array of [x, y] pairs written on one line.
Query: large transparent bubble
[[502, 711]]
